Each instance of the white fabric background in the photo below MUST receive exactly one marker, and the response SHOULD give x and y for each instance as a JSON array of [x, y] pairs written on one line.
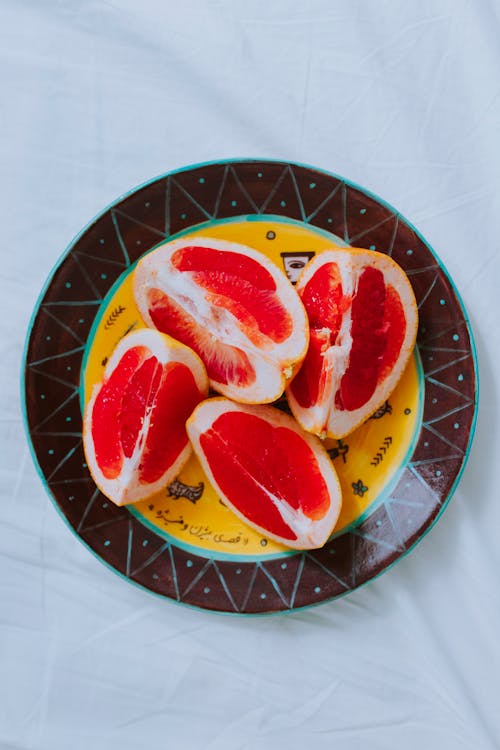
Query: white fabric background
[[403, 98]]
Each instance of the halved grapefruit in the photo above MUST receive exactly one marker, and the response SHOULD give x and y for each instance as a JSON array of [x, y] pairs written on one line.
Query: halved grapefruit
[[275, 476], [134, 429], [233, 307], [363, 324]]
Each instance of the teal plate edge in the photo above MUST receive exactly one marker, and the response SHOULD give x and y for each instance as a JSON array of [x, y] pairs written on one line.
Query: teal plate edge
[[294, 604]]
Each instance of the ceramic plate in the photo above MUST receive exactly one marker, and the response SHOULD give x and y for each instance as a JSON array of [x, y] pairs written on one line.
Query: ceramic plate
[[397, 471]]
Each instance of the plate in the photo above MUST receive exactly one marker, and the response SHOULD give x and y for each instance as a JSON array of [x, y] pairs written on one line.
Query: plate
[[398, 471]]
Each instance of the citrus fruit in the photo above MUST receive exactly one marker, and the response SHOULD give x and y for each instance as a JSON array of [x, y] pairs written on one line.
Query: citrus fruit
[[275, 476], [363, 325], [233, 307], [135, 438]]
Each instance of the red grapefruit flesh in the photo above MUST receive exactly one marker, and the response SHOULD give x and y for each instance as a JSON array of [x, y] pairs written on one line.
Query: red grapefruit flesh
[[275, 476], [233, 307], [135, 436], [363, 324]]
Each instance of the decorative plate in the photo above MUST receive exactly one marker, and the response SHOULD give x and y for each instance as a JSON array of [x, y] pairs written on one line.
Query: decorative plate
[[398, 470]]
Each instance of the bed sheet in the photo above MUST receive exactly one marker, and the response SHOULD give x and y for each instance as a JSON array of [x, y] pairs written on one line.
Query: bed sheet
[[99, 96]]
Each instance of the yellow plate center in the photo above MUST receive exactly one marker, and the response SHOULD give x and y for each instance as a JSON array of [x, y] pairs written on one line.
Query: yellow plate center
[[368, 461]]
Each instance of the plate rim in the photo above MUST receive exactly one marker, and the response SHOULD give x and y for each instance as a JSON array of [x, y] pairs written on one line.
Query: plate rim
[[230, 161]]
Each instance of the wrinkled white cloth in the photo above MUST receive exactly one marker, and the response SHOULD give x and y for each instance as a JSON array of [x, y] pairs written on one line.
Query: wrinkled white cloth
[[98, 96]]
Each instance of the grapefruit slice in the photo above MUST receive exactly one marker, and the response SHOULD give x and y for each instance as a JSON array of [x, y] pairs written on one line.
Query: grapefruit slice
[[273, 475], [233, 307], [363, 325], [134, 431]]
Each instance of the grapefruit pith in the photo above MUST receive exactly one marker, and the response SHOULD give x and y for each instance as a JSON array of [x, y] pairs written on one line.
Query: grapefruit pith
[[135, 437], [233, 307], [363, 324], [275, 476]]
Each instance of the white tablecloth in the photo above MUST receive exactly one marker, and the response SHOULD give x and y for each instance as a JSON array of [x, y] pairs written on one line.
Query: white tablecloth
[[404, 99]]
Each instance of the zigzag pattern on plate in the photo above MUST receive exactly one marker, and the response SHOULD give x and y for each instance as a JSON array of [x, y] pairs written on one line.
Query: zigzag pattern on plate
[[64, 317]]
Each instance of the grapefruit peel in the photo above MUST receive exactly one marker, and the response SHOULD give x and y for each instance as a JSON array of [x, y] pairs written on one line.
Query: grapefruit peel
[[233, 306], [134, 434], [363, 326], [256, 457]]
